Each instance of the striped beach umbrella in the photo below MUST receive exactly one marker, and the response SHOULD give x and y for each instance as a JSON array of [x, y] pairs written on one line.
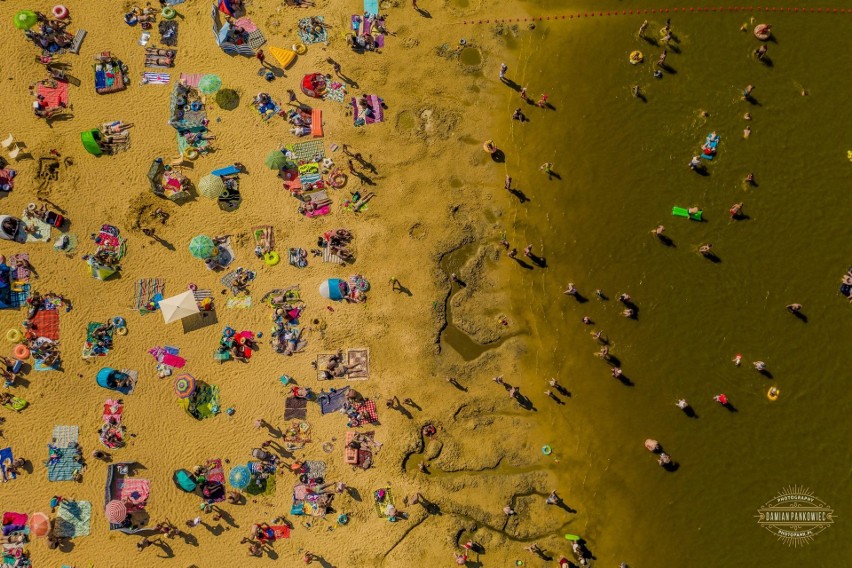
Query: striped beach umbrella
[[211, 186], [115, 512], [184, 385], [202, 247]]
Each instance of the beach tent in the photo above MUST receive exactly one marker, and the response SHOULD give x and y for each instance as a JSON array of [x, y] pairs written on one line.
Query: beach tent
[[334, 289], [183, 479], [90, 141], [178, 307], [313, 85], [106, 378], [220, 32]]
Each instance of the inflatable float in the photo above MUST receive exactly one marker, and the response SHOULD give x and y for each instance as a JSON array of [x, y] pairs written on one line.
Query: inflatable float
[[763, 32], [636, 57], [773, 393], [684, 212]]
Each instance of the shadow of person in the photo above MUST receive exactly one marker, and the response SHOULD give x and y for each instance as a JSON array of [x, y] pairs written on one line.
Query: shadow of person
[[651, 40], [404, 411], [423, 12], [690, 412], [801, 317], [522, 263], [671, 467], [712, 257], [164, 546], [498, 156], [666, 241], [522, 197], [767, 61], [511, 84], [625, 380], [539, 261], [564, 506], [551, 174], [730, 407]]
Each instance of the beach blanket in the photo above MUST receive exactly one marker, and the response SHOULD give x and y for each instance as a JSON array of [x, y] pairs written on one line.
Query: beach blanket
[[295, 408], [19, 295], [240, 302], [335, 91], [256, 39], [168, 32], [309, 151], [46, 324], [54, 96], [367, 409], [310, 33], [39, 231], [14, 522], [229, 279], [314, 469], [358, 358], [264, 237], [265, 487], [382, 506], [371, 7], [333, 401], [268, 110], [91, 348], [134, 491], [73, 519], [146, 290], [378, 112], [226, 255], [62, 465], [150, 78], [191, 79], [6, 459]]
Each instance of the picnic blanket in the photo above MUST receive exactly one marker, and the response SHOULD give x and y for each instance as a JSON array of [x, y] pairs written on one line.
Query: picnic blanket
[[54, 95], [378, 114], [168, 32], [39, 231], [358, 358], [309, 33], [295, 408], [191, 79], [91, 348], [335, 91], [146, 290], [309, 151], [229, 279], [61, 466], [73, 519], [368, 409], [46, 324], [333, 401], [134, 491]]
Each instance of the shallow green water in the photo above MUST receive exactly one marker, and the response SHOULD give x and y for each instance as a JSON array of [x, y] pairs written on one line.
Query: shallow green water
[[623, 166]]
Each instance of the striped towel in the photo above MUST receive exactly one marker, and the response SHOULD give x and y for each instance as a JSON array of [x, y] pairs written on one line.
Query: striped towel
[[156, 78], [191, 79], [18, 298], [146, 289], [201, 294], [328, 256], [62, 469], [77, 41]]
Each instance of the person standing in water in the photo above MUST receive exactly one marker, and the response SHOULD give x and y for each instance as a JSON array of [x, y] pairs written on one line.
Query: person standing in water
[[642, 28], [747, 92], [503, 69], [661, 62]]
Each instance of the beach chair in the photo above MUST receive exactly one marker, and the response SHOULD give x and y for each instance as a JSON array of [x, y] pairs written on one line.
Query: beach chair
[[10, 143], [177, 162], [15, 152]]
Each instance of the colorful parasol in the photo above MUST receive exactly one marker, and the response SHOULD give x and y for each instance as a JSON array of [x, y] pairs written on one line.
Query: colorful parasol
[[209, 84], [184, 385], [211, 186], [115, 512], [25, 19], [39, 524], [240, 477], [202, 247]]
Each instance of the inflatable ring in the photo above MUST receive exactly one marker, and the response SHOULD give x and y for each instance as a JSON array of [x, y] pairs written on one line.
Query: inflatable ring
[[190, 153], [59, 12], [32, 207], [195, 106], [546, 450], [338, 180], [121, 330], [489, 146], [342, 519], [762, 32], [14, 335], [300, 48], [169, 13], [327, 163], [271, 258], [130, 19], [118, 321], [21, 352], [636, 57], [773, 393]]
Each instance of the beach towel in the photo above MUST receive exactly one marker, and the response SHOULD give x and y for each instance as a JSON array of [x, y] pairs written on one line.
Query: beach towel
[[150, 78], [91, 348], [14, 522], [191, 79], [328, 256], [113, 411], [368, 409], [316, 123], [226, 256], [256, 39], [314, 469], [6, 459], [146, 290], [17, 404], [358, 358], [335, 91], [40, 231], [45, 323], [378, 113], [297, 257], [382, 506], [350, 455], [356, 24], [295, 408], [324, 210], [229, 279], [264, 237], [20, 273], [333, 401], [19, 295], [61, 467], [73, 519], [77, 41], [268, 110], [310, 33], [134, 491], [371, 7], [54, 96], [306, 152], [215, 473], [69, 240], [240, 302]]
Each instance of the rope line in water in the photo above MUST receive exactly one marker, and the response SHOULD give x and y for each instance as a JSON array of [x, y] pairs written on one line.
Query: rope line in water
[[663, 11]]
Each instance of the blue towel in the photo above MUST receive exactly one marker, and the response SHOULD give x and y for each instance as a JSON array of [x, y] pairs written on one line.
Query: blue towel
[[371, 7], [6, 457], [100, 80]]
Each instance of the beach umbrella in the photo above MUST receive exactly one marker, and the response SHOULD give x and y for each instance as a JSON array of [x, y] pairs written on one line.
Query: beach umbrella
[[39, 524], [202, 247], [211, 186], [240, 477], [209, 84], [275, 160], [178, 307], [25, 19], [184, 385], [115, 512]]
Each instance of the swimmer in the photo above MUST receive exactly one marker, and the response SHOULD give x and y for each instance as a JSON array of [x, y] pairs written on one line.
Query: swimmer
[[721, 399], [704, 250], [528, 251], [693, 211], [587, 320], [747, 92], [760, 366], [695, 163], [505, 244], [747, 132], [628, 313], [737, 360], [509, 511], [635, 90], [512, 253], [682, 404], [736, 210], [498, 379], [616, 372], [599, 294], [760, 52], [553, 498], [642, 28], [571, 290], [658, 232], [747, 116], [749, 179], [624, 298], [661, 62], [658, 74], [794, 308]]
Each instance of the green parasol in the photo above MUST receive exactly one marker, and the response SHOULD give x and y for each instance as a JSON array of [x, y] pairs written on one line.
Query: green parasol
[[275, 160], [211, 186], [209, 84], [25, 19], [202, 247]]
